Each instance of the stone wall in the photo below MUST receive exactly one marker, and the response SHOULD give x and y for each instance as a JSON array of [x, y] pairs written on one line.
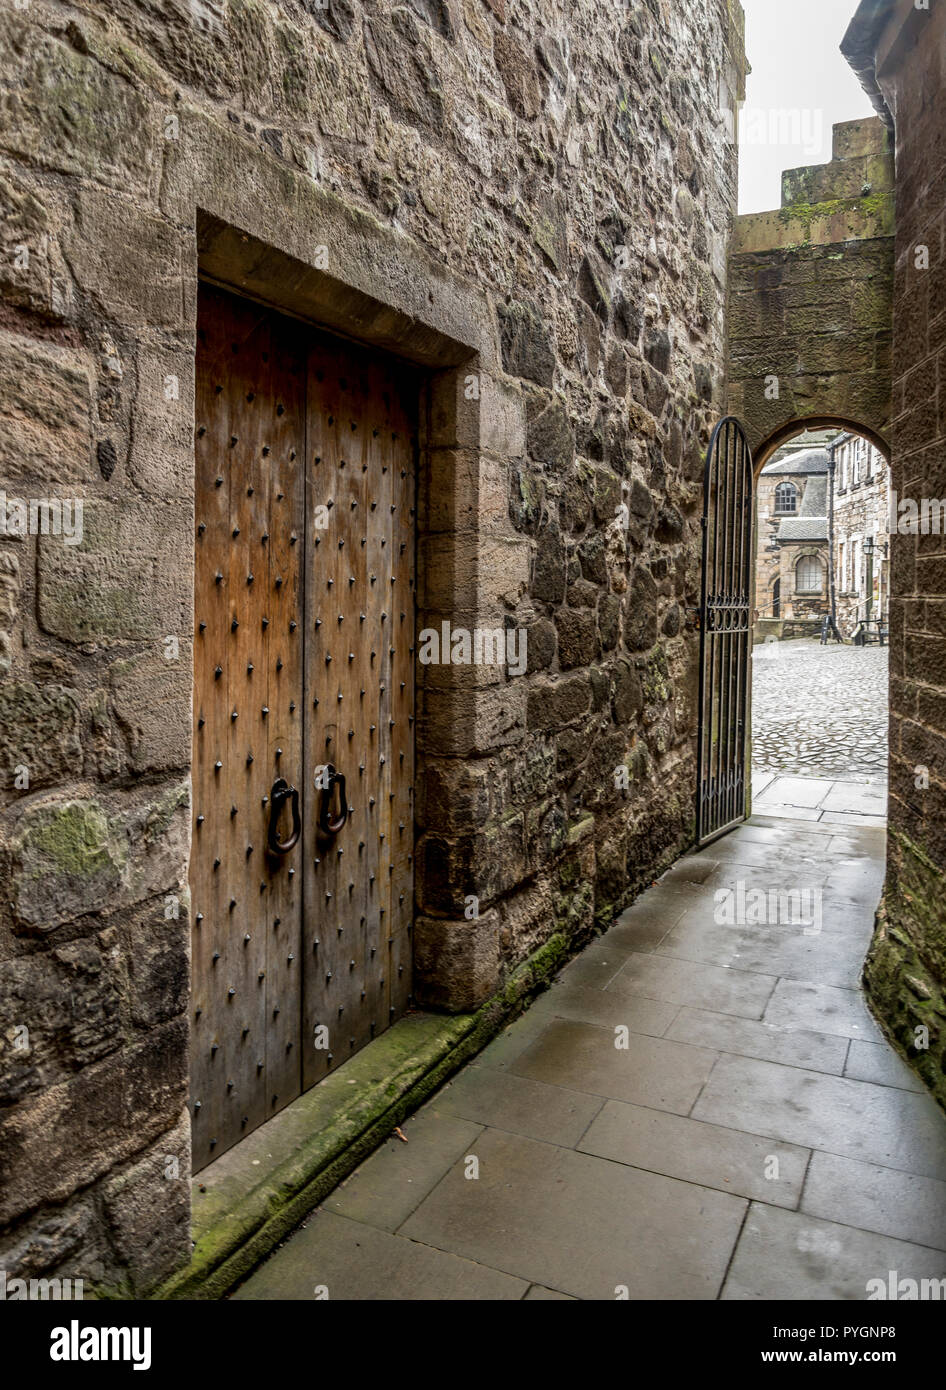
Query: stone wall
[[810, 297], [906, 969], [539, 193]]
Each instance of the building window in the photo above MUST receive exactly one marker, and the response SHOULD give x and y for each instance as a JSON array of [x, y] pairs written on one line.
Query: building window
[[786, 499], [809, 575], [842, 565]]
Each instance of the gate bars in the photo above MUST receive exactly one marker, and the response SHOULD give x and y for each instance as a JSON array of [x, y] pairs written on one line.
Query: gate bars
[[725, 632]]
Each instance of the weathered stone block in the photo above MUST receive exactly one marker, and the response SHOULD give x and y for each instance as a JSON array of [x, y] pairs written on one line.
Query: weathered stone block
[[400, 59], [457, 964], [550, 437], [130, 262], [460, 574], [466, 720], [67, 112], [45, 415], [640, 624], [577, 637], [525, 344], [84, 856], [125, 580], [33, 274], [161, 457], [548, 567], [147, 1209], [60, 1012], [156, 945], [66, 863], [503, 419], [519, 73], [48, 1242], [554, 705], [39, 732], [76, 1131], [151, 697]]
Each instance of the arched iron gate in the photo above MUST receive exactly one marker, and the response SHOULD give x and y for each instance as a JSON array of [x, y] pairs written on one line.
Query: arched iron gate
[[725, 632]]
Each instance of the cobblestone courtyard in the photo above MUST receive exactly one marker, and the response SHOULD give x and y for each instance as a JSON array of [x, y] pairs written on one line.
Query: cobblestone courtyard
[[819, 731]]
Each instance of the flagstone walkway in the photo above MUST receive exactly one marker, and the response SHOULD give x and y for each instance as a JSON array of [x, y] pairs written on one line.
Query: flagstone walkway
[[693, 1110]]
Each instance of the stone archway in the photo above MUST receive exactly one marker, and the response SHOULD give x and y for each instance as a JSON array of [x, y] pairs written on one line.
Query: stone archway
[[772, 443]]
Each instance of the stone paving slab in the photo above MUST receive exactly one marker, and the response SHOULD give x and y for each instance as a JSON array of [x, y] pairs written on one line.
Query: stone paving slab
[[649, 1071], [745, 1037], [580, 1224], [855, 1119], [852, 818], [686, 982], [790, 1255], [520, 1105], [354, 1260], [875, 1198], [385, 1190], [727, 1159], [804, 1004], [788, 951], [608, 1010], [799, 791], [624, 1128], [879, 1063]]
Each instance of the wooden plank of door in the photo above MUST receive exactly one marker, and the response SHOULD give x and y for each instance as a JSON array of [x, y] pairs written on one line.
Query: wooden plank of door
[[360, 464], [250, 413]]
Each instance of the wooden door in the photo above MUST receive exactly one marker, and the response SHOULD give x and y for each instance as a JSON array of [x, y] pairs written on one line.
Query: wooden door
[[303, 657]]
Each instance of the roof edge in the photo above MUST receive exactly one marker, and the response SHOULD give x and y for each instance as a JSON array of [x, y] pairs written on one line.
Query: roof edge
[[859, 47]]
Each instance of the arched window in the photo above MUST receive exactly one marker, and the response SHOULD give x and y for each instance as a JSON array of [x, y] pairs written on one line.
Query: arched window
[[809, 575], [786, 499]]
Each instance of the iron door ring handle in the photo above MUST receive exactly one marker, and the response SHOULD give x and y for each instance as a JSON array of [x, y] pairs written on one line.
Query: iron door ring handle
[[280, 794], [328, 824]]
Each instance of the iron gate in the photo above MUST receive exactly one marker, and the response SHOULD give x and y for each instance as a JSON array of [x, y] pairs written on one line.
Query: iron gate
[[725, 632]]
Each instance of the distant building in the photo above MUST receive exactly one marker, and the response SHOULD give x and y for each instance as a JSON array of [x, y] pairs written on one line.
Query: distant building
[[821, 536], [861, 549], [792, 549]]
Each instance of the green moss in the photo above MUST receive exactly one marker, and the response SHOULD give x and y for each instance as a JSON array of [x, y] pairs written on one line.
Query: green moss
[[394, 1075], [74, 839], [877, 206], [657, 678]]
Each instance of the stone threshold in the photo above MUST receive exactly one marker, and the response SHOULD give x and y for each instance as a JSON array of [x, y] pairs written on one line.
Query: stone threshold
[[254, 1195]]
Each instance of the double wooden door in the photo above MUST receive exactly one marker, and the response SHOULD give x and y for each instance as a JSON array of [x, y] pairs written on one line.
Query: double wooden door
[[301, 872]]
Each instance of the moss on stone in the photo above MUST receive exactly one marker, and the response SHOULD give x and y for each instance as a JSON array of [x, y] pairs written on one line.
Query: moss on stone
[[74, 839], [396, 1073], [657, 677], [859, 210]]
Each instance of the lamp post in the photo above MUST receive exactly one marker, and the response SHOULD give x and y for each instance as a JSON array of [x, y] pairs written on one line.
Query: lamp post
[[869, 555]]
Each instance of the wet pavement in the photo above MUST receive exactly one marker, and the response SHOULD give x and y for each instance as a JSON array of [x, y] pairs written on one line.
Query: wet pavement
[[700, 1107]]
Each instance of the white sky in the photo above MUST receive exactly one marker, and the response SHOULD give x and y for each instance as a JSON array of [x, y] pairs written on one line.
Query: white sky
[[797, 67]]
